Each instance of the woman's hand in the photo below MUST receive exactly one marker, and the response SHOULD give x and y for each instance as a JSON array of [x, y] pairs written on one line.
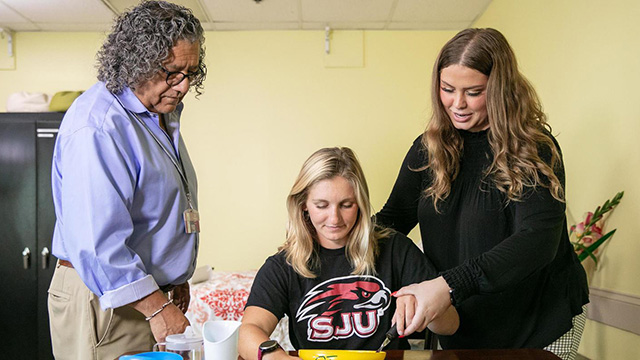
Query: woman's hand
[[432, 300], [405, 311], [181, 297]]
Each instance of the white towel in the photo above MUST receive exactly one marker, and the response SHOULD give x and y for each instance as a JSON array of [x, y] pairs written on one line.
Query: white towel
[[28, 102]]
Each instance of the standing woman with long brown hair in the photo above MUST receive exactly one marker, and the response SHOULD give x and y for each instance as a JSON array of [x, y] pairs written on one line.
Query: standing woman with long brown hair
[[485, 182]]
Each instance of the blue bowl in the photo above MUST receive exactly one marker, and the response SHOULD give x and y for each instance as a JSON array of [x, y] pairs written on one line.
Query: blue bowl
[[156, 355]]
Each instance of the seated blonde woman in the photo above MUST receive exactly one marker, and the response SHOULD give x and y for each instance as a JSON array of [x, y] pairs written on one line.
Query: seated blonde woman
[[336, 271]]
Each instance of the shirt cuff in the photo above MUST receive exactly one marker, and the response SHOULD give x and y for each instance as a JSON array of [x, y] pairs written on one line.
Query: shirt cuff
[[463, 282], [129, 293]]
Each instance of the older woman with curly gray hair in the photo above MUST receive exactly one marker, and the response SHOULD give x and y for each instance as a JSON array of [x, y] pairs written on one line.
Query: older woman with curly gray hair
[[127, 225]]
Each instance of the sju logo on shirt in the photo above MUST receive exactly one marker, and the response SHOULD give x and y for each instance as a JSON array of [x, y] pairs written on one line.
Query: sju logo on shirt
[[342, 307]]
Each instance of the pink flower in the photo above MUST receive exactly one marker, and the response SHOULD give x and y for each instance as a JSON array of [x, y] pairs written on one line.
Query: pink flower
[[579, 229], [588, 218], [587, 240], [596, 231], [590, 235]]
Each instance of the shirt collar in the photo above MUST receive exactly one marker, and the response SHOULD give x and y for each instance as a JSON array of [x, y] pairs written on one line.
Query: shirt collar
[[131, 102]]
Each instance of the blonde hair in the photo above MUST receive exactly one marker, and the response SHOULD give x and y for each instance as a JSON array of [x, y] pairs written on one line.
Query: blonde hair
[[518, 131], [301, 247]]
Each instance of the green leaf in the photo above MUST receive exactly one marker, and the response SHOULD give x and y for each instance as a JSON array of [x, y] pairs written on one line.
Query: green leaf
[[586, 253], [606, 207], [601, 240], [591, 248], [579, 246]]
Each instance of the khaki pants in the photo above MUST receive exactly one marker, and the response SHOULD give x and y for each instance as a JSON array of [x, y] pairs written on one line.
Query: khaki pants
[[81, 330]]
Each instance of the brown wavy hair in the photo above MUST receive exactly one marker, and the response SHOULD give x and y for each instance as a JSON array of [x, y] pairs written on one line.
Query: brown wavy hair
[[518, 130], [301, 246]]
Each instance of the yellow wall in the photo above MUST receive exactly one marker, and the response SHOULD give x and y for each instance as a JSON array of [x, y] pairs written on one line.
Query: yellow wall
[[583, 58], [269, 102], [50, 62]]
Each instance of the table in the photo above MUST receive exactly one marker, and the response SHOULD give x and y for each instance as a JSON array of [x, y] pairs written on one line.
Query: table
[[504, 354]]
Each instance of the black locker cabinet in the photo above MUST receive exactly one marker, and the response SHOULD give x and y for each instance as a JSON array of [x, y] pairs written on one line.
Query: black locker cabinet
[[27, 220]]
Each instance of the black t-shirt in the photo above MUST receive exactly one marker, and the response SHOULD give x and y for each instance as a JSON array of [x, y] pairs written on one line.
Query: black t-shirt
[[337, 310], [510, 263]]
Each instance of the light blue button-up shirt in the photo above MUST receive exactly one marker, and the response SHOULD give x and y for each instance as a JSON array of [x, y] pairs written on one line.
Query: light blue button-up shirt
[[119, 198]]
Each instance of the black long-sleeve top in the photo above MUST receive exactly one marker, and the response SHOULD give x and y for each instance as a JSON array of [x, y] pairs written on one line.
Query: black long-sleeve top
[[516, 279]]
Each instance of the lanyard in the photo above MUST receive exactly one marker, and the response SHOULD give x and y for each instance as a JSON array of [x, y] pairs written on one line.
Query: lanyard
[[179, 167]]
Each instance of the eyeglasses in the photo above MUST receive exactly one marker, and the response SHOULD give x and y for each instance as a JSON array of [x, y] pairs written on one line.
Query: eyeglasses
[[175, 77]]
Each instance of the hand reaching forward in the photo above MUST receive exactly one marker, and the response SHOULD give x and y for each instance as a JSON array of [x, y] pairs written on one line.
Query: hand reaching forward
[[405, 311], [168, 322], [432, 300]]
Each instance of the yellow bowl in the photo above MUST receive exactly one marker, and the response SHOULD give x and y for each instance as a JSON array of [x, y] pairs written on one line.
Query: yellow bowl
[[308, 354]]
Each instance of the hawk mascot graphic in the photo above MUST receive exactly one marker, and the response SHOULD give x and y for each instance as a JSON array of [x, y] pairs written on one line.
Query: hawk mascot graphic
[[345, 306]]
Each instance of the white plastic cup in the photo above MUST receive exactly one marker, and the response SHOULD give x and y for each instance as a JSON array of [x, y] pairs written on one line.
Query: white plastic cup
[[220, 340]]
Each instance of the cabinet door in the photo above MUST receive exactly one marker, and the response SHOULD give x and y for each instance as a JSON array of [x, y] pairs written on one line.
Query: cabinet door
[[46, 132], [17, 237]]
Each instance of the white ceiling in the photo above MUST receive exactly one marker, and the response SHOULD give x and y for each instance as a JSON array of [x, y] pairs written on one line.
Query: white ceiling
[[97, 15]]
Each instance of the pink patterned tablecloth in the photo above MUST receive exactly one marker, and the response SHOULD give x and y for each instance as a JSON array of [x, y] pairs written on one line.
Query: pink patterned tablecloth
[[223, 297]]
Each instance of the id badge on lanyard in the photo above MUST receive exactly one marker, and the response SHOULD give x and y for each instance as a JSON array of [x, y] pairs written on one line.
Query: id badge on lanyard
[[190, 215], [191, 221]]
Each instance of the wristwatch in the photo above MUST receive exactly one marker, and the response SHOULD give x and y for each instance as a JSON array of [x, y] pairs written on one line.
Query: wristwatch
[[452, 297], [267, 347]]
